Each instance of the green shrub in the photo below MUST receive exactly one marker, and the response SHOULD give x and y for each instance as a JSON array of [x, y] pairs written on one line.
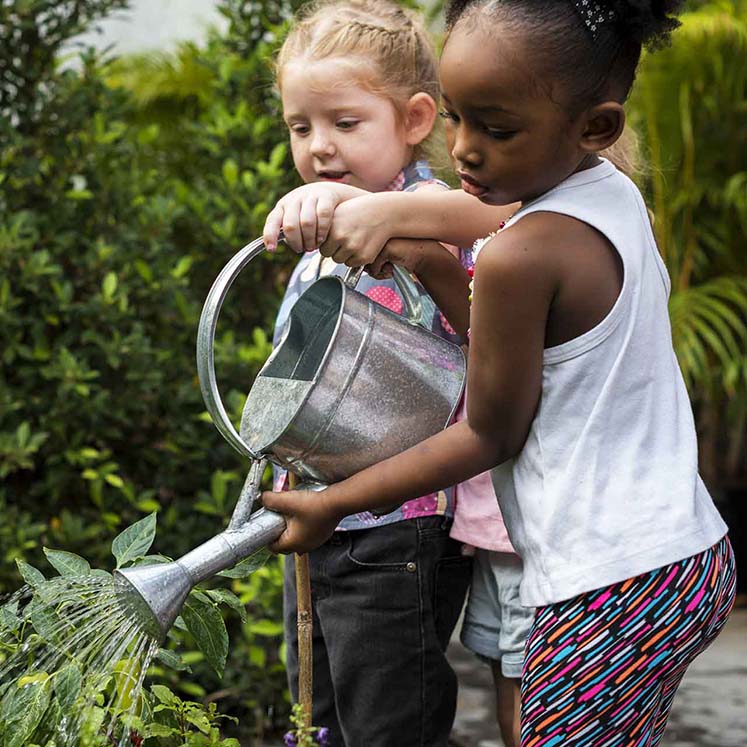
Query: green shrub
[[117, 210]]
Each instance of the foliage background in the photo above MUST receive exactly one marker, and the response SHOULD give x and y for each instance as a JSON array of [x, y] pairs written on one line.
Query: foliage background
[[125, 185]]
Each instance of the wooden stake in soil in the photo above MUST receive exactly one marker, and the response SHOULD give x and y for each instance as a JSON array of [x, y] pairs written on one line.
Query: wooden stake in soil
[[305, 629]]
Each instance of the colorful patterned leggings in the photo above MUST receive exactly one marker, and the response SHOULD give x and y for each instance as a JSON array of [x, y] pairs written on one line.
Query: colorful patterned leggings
[[601, 669]]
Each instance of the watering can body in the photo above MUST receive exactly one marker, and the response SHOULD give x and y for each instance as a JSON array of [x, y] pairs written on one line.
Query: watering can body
[[350, 383]]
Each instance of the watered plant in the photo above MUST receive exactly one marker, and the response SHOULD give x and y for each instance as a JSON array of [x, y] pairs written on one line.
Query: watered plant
[[181, 723], [73, 656]]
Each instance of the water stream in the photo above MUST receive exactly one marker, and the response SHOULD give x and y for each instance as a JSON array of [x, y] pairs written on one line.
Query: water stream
[[72, 664]]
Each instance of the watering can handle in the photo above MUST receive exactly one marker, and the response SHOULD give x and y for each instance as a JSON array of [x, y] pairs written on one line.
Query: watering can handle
[[206, 344], [407, 287]]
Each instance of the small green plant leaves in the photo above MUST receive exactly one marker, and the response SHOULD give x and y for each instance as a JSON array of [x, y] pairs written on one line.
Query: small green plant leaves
[[47, 623], [91, 722], [164, 695], [67, 563], [67, 683], [198, 718], [159, 730], [205, 623], [248, 565], [134, 541], [23, 710], [9, 619], [30, 575]]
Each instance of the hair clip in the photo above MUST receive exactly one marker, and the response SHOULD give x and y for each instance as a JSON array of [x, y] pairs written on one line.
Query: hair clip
[[593, 15]]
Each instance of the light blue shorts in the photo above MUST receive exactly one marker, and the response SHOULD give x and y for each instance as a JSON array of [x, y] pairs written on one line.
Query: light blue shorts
[[496, 626]]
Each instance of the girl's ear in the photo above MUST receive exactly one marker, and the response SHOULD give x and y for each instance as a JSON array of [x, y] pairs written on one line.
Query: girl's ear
[[420, 116], [604, 125]]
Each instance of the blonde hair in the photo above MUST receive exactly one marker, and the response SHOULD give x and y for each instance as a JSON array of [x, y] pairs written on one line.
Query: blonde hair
[[625, 153], [381, 34]]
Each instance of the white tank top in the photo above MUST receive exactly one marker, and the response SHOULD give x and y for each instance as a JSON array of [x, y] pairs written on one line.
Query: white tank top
[[607, 485]]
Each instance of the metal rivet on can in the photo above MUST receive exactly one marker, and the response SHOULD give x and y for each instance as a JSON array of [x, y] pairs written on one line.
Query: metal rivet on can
[[411, 567]]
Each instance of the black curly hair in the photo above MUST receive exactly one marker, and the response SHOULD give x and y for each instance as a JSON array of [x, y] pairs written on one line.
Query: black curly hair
[[591, 61]]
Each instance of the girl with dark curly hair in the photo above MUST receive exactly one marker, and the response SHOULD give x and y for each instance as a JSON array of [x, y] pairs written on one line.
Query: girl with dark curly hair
[[572, 375]]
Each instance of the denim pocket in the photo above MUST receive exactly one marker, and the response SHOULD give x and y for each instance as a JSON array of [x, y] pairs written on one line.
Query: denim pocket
[[392, 547], [452, 579]]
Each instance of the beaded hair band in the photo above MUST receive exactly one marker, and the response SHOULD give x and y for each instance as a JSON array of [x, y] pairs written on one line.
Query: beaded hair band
[[593, 15]]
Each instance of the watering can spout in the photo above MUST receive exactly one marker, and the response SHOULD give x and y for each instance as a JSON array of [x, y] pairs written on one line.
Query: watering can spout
[[155, 594]]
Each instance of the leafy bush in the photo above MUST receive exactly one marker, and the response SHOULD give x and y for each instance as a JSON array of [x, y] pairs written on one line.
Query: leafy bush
[[116, 213]]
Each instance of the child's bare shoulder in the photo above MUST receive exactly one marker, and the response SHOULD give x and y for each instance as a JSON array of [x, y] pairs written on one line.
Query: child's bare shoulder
[[531, 240], [541, 240]]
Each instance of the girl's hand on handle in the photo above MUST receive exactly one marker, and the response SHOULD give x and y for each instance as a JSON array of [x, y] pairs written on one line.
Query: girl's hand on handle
[[360, 228], [309, 521], [305, 215]]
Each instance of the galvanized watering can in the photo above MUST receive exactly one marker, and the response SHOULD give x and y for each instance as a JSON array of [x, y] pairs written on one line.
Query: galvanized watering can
[[350, 384]]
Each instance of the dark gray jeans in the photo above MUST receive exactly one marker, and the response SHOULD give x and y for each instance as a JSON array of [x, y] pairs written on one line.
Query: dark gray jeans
[[386, 601]]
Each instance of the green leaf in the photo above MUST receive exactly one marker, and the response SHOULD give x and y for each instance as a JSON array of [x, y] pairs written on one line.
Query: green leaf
[[47, 623], [159, 730], [114, 480], [278, 155], [143, 270], [30, 575], [224, 596], [67, 683], [182, 267], [22, 434], [193, 689], [164, 695], [24, 711], [248, 565], [205, 624], [172, 660], [9, 619], [79, 194], [230, 172], [266, 628], [67, 563], [135, 541], [109, 286], [198, 719]]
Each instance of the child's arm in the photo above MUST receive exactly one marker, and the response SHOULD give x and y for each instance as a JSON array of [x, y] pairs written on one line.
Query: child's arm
[[306, 214], [514, 286], [361, 226]]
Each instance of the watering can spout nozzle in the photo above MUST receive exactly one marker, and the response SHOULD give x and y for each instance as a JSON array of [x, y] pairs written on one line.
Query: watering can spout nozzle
[[155, 594]]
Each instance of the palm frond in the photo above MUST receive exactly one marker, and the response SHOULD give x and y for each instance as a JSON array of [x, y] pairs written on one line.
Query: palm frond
[[163, 82], [709, 330]]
